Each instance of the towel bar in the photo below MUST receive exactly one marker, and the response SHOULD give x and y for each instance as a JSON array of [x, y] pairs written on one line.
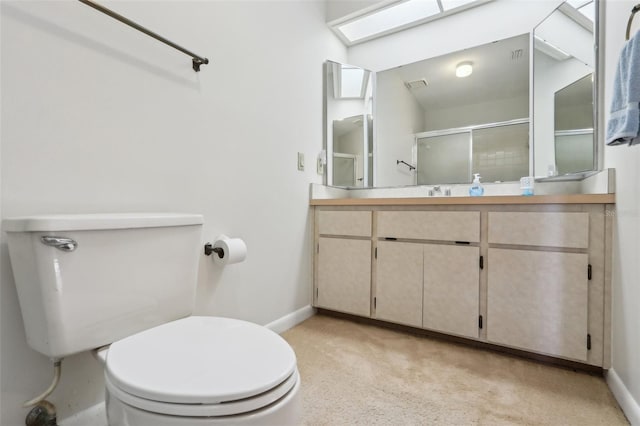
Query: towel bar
[[406, 164], [635, 10], [196, 59]]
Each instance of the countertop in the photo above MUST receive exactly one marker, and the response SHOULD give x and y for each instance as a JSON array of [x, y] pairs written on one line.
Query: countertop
[[492, 199]]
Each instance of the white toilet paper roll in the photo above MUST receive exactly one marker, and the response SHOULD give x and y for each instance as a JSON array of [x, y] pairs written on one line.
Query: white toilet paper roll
[[234, 250]]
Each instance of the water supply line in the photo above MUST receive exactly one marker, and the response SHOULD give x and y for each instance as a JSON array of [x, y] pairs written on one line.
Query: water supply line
[[56, 378]]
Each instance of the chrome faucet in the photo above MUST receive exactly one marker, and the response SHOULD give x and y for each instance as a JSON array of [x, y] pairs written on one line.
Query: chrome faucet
[[435, 191]]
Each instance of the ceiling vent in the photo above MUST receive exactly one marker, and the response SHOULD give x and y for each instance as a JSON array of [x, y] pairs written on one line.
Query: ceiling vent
[[416, 84], [517, 54]]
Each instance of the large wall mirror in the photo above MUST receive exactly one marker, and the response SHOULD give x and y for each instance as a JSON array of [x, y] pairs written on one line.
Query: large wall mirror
[[459, 123], [525, 107]]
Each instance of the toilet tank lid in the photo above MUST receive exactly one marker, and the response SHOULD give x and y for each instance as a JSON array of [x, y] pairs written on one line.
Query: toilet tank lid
[[87, 222]]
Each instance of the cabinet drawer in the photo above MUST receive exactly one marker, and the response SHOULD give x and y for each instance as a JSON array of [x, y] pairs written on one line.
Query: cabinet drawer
[[445, 226], [556, 229], [351, 223]]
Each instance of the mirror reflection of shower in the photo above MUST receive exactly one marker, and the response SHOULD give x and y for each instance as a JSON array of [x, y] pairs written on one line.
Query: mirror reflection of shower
[[573, 125], [348, 151]]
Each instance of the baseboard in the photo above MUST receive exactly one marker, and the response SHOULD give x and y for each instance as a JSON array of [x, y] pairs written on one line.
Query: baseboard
[[626, 401], [291, 320], [95, 416]]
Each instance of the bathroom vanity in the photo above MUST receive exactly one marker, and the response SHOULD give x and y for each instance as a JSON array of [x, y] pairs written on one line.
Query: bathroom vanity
[[526, 273]]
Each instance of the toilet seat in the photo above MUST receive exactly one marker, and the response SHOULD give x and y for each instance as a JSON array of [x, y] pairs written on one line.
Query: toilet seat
[[201, 366], [207, 410]]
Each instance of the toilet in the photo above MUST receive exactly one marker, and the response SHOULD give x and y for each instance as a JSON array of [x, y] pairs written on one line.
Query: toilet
[[124, 286]]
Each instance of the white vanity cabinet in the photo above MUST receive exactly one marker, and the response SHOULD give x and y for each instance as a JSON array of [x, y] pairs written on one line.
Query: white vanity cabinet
[[343, 262], [538, 284], [531, 274]]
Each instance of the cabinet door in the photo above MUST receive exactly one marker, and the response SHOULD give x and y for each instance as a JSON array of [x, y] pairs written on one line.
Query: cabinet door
[[451, 289], [344, 275], [399, 283], [538, 301]]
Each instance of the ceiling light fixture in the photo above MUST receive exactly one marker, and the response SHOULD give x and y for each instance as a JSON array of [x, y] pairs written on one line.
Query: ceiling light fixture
[[464, 69]]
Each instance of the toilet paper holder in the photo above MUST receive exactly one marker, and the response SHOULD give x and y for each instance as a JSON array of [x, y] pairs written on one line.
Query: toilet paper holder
[[210, 249]]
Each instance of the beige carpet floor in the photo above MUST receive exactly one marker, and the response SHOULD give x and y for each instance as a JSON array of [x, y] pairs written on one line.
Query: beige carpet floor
[[356, 374]]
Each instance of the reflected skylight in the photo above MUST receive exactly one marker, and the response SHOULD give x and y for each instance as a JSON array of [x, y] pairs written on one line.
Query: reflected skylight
[[349, 82], [352, 82], [399, 16]]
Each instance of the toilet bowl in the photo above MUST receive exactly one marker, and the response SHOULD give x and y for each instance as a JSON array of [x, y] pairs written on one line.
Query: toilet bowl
[[202, 371], [129, 281]]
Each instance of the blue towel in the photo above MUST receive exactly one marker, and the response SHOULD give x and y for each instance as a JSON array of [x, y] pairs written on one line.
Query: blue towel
[[624, 123]]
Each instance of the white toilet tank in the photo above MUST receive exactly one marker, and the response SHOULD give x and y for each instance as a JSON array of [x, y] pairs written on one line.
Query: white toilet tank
[[110, 276]]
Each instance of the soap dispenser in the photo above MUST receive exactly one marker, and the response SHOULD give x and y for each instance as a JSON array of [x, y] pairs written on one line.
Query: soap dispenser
[[476, 189]]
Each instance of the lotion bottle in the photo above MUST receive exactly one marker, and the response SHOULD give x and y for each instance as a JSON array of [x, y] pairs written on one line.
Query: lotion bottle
[[476, 189]]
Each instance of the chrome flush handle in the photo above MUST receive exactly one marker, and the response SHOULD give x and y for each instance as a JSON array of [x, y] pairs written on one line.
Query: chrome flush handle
[[61, 243]]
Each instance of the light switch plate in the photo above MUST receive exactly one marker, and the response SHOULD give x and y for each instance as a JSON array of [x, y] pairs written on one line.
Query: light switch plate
[[301, 161]]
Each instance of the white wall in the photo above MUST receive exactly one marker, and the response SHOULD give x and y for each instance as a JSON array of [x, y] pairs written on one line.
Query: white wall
[[491, 111], [624, 378], [97, 117], [395, 133]]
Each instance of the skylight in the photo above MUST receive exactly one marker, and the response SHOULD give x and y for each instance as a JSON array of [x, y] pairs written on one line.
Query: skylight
[[398, 16]]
